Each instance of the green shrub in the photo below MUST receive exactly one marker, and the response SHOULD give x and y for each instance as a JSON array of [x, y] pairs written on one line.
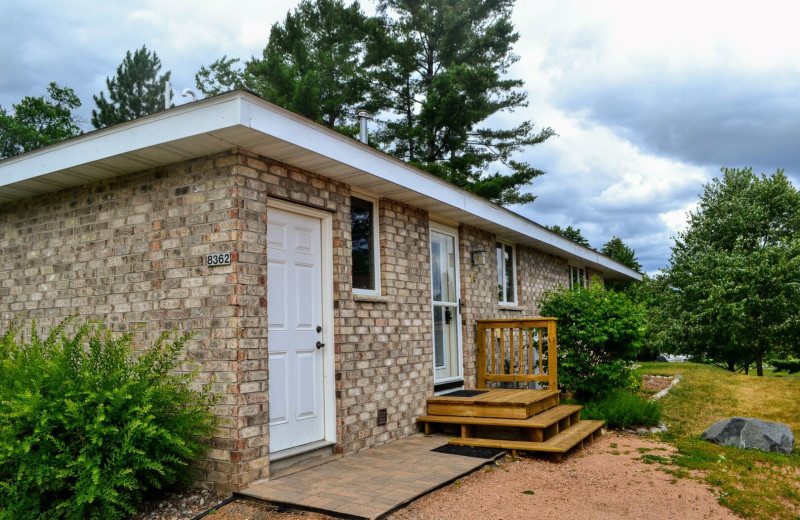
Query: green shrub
[[621, 409], [791, 366], [599, 333], [87, 428]]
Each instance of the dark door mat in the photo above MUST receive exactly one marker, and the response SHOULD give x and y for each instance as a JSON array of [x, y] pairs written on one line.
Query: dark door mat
[[469, 451], [464, 393]]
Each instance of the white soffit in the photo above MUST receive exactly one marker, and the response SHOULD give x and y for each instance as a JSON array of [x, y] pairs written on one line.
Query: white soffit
[[240, 119]]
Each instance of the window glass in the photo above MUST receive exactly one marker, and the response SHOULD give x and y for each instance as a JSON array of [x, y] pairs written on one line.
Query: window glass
[[362, 213], [509, 274], [505, 273], [577, 277]]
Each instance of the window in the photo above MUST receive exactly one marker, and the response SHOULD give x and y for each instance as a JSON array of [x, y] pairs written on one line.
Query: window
[[364, 233], [506, 282], [577, 277]]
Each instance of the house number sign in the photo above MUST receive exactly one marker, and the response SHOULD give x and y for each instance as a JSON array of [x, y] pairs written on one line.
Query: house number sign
[[218, 259]]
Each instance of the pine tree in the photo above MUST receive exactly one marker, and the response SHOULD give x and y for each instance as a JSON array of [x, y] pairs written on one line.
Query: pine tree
[[617, 250], [137, 90], [440, 66], [571, 233], [39, 121], [312, 64]]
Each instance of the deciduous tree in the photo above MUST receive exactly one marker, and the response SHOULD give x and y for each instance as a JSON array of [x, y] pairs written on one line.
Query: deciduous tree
[[733, 281], [39, 121]]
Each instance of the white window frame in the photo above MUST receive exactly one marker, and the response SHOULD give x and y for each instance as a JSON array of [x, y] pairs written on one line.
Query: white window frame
[[376, 261], [581, 275], [507, 303]]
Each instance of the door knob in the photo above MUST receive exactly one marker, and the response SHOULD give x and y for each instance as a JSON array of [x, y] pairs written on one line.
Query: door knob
[[320, 344], [319, 328]]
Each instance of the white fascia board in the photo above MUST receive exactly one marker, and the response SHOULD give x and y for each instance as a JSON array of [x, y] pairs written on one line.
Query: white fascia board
[[294, 129], [245, 109], [318, 139], [170, 125]]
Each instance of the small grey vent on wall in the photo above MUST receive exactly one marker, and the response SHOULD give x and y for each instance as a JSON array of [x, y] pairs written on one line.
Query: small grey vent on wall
[[382, 417]]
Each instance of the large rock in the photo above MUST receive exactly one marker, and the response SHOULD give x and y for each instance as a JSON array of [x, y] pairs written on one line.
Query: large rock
[[744, 432]]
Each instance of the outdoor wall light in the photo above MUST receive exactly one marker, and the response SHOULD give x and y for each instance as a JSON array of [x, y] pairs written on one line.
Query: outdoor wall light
[[479, 257]]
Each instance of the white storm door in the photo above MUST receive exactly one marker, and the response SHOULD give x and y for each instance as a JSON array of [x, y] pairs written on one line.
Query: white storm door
[[294, 298], [445, 300]]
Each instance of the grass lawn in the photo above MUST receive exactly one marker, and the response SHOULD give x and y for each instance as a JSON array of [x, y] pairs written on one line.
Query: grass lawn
[[752, 484]]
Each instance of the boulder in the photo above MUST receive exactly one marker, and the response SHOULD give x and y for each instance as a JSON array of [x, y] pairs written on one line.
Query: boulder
[[662, 358], [744, 432]]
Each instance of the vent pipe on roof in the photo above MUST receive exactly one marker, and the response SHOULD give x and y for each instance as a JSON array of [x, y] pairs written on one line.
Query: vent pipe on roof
[[167, 95], [189, 92], [363, 117]]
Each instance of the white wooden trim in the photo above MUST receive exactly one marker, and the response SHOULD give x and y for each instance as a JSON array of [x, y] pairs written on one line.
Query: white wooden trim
[[583, 268], [328, 358]]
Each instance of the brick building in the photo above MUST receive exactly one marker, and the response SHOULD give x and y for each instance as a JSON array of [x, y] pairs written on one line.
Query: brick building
[[333, 287]]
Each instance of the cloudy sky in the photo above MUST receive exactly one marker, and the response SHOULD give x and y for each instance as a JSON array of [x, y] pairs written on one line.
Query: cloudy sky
[[649, 99]]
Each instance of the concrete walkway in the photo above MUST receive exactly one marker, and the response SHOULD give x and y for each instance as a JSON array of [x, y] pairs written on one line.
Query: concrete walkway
[[372, 483]]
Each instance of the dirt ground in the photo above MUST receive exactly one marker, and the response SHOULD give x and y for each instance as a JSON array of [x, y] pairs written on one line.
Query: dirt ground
[[609, 480]]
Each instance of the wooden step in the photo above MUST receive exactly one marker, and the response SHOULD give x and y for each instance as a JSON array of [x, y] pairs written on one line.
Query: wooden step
[[558, 444], [498, 403], [539, 427], [540, 420]]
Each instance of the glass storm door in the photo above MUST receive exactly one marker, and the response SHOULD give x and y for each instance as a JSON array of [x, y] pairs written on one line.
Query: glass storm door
[[445, 296]]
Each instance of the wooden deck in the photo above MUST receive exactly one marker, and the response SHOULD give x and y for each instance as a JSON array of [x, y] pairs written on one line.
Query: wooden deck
[[498, 403], [533, 419]]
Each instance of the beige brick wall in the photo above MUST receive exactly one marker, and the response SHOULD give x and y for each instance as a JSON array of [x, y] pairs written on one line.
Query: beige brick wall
[[383, 346], [537, 272], [131, 251]]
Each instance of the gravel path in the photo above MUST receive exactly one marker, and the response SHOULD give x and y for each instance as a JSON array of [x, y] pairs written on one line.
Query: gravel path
[[607, 481]]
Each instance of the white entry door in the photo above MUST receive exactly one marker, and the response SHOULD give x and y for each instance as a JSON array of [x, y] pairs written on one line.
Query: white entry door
[[446, 296], [296, 357]]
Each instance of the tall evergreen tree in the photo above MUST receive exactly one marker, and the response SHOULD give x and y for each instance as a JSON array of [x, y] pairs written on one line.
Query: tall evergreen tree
[[137, 90], [312, 64], [619, 251], [39, 121], [224, 75], [571, 233], [440, 66]]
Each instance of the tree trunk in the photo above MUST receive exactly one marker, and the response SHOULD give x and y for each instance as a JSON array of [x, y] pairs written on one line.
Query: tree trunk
[[732, 366], [760, 365]]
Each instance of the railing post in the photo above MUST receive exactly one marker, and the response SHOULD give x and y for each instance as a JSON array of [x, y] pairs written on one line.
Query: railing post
[[552, 355], [481, 348]]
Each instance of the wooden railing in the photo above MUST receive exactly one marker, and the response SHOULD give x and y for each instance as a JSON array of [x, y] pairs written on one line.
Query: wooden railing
[[516, 351]]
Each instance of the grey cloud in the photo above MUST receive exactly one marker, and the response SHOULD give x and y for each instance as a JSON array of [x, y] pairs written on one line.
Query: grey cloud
[[710, 118], [567, 197]]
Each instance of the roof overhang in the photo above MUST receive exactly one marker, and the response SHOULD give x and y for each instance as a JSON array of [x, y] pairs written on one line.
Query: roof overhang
[[240, 119]]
